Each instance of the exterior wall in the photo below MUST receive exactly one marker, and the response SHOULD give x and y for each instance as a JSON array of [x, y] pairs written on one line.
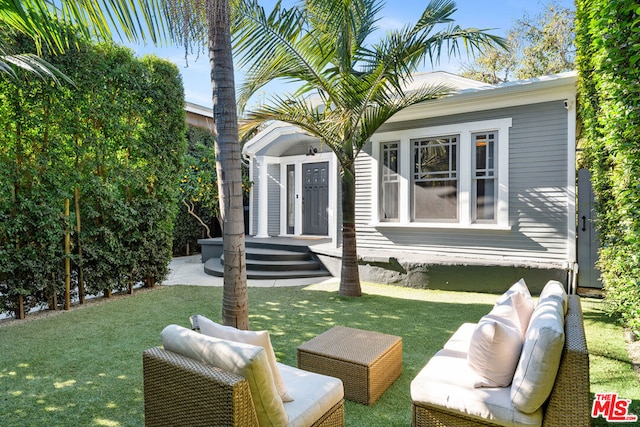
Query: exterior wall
[[253, 205], [539, 197], [273, 173]]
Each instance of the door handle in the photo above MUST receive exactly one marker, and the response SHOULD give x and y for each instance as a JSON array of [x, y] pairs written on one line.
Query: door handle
[[584, 223]]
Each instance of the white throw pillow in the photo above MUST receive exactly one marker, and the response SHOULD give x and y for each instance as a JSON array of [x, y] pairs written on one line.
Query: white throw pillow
[[494, 349], [541, 353], [261, 338], [521, 299], [555, 290], [247, 360]]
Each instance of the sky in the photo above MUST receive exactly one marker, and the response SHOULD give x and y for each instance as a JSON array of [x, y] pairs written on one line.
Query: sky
[[497, 15]]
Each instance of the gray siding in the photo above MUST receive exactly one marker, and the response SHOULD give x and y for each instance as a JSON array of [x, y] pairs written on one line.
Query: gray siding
[[273, 175], [273, 172], [538, 201]]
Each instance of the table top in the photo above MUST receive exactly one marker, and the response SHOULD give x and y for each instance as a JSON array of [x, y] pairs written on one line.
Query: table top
[[350, 344]]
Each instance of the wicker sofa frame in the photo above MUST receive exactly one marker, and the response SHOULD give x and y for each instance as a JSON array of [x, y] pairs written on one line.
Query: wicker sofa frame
[[179, 391], [569, 401]]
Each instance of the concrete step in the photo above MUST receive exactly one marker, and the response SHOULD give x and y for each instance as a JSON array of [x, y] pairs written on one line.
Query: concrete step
[[280, 264], [215, 267]]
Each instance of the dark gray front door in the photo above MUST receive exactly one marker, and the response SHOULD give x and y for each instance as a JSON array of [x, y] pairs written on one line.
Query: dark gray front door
[[315, 198]]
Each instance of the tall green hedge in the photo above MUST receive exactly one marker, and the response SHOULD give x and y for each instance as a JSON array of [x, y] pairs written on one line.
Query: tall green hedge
[[112, 145], [608, 55]]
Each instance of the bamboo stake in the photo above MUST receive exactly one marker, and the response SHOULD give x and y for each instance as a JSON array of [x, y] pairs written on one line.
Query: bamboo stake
[[78, 243], [67, 258], [20, 311]]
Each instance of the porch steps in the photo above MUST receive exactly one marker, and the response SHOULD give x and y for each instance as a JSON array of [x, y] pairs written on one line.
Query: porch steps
[[272, 261]]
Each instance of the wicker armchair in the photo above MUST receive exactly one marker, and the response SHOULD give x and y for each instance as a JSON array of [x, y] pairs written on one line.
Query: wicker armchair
[[179, 391], [569, 401]]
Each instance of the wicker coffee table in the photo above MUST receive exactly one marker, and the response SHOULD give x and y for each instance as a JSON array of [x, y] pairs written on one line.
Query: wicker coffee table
[[366, 362]]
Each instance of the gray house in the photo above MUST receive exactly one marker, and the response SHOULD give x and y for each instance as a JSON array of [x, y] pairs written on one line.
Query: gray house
[[467, 192]]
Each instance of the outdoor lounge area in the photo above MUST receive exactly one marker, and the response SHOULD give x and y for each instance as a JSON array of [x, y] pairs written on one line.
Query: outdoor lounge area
[[84, 366]]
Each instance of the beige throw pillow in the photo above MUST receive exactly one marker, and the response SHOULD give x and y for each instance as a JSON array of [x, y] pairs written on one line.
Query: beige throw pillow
[[495, 345], [555, 290], [260, 338], [522, 301], [541, 353]]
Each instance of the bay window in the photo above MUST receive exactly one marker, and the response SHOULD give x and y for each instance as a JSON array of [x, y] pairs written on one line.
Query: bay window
[[448, 176]]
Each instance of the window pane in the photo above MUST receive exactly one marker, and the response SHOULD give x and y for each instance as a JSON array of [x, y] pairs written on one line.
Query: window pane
[[435, 200], [389, 201], [485, 200]]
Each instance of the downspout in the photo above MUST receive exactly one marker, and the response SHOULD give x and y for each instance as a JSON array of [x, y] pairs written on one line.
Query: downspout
[[572, 264]]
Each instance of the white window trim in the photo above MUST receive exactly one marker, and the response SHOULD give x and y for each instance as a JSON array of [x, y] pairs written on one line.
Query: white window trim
[[465, 130]]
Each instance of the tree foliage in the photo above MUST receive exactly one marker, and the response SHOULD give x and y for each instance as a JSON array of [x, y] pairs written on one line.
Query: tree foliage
[[536, 46], [112, 144], [54, 26], [608, 46]]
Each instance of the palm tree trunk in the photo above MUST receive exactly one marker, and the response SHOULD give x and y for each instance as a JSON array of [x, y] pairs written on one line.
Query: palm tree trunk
[[235, 301], [349, 277]]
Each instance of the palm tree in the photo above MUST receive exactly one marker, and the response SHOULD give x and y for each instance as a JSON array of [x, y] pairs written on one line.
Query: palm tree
[[183, 21], [322, 45], [235, 306], [48, 25]]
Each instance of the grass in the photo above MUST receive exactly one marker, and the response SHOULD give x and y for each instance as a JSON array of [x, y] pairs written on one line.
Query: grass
[[83, 367]]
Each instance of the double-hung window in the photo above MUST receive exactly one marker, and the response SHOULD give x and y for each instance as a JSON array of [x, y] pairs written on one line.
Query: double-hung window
[[447, 176], [484, 177], [390, 182]]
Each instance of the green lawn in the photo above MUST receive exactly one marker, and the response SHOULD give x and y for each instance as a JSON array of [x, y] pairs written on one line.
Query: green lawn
[[84, 367]]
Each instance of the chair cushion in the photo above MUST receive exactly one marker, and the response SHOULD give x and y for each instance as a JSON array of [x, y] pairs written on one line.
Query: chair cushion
[[459, 341], [260, 338], [494, 349], [315, 395], [247, 360], [447, 382], [541, 352]]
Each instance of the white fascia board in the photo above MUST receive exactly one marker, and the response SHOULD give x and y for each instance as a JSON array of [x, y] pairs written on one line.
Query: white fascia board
[[522, 92], [268, 135], [198, 109]]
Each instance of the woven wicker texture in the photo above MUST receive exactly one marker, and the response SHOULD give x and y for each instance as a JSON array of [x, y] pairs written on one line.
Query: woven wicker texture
[[569, 402], [333, 418], [179, 391], [367, 362]]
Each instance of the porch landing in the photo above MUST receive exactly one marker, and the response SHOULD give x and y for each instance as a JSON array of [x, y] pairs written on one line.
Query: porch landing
[[272, 258]]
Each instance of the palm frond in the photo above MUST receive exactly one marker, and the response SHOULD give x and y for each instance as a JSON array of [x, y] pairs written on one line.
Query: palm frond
[[32, 64]]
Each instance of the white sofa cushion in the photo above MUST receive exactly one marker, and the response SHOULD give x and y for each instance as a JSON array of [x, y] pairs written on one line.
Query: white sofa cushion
[[315, 395], [247, 360], [447, 382], [555, 290], [260, 338], [494, 349], [519, 296], [540, 359], [459, 341]]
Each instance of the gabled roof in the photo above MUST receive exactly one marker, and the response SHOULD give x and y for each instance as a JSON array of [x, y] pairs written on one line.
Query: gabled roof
[[469, 95], [519, 92]]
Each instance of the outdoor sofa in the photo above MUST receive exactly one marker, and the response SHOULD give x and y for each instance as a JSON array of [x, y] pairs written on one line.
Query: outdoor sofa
[[484, 376], [201, 380]]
